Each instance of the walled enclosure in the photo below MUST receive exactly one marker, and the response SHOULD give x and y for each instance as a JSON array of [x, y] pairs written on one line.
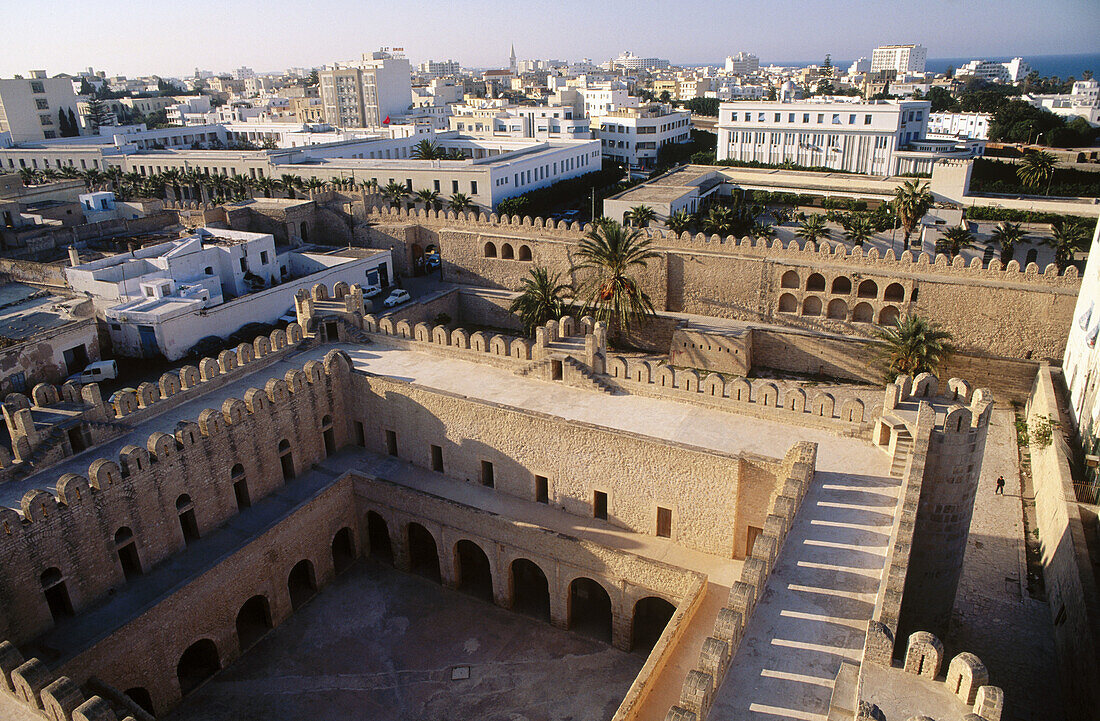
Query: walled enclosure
[[816, 289]]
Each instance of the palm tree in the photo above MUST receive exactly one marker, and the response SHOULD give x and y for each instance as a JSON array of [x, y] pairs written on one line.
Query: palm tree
[[288, 183], [219, 184], [314, 184], [858, 229], [541, 298], [394, 193], [762, 231], [28, 176], [453, 154], [718, 220], [812, 228], [679, 221], [611, 251], [1035, 167], [460, 203], [92, 177], [955, 240], [913, 345], [1007, 235], [114, 174], [428, 150], [641, 215], [171, 178], [1067, 237], [266, 185], [781, 215], [430, 198], [912, 200]]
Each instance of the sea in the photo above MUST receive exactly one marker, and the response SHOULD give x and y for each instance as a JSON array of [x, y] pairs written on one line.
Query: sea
[[1062, 66]]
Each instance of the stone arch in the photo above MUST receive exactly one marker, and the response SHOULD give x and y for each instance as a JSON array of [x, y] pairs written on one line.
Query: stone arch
[[301, 583], [924, 655], [740, 390], [421, 333], [824, 405], [894, 292], [867, 289], [816, 282], [378, 537], [665, 377], [343, 549], [842, 285], [402, 329], [28, 680], [103, 474], [651, 615], [199, 662], [796, 400], [965, 674], [640, 371], [211, 422], [133, 460], [616, 367], [687, 380], [925, 385], [888, 315], [863, 313], [44, 394], [958, 420], [811, 306], [498, 345], [234, 410], [141, 697], [423, 551], [72, 489], [208, 369], [295, 380], [529, 589], [261, 346], [788, 303], [767, 394], [169, 385], [490, 249], [245, 354], [473, 574], [790, 279], [440, 336], [507, 252], [713, 385], [276, 391], [319, 291], [589, 608], [460, 339], [253, 621], [524, 253], [852, 410], [837, 310], [161, 446], [479, 341], [340, 290], [521, 349]]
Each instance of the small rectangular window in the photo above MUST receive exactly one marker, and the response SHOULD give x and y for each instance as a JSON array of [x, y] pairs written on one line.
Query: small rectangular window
[[391, 443], [866, 119], [664, 522], [437, 459], [542, 489], [473, 187], [487, 474], [599, 505]]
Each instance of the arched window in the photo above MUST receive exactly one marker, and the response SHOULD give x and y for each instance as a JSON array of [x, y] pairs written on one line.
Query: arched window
[[57, 596], [894, 292], [888, 315], [524, 253], [789, 280], [240, 487], [868, 289], [788, 303], [842, 285], [530, 589], [838, 309], [286, 459], [490, 250], [863, 313], [651, 615], [816, 281], [198, 663], [590, 608], [472, 570], [506, 252], [811, 305], [188, 524]]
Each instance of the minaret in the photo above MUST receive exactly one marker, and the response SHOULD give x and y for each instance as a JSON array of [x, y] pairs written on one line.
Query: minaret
[[512, 60]]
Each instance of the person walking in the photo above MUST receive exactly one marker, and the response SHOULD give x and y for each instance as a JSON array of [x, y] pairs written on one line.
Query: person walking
[[1000, 486]]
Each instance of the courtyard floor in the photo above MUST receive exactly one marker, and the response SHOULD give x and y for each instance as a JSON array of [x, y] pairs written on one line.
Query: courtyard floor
[[380, 644]]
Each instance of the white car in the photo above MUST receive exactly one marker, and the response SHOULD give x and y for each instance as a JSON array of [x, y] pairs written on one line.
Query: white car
[[369, 291], [397, 297], [95, 372]]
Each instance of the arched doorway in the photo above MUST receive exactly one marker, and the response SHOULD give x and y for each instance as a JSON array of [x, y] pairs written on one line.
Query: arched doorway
[[590, 609], [416, 256], [378, 536], [302, 583], [472, 570], [253, 621], [57, 595], [127, 553], [305, 232], [651, 615], [328, 435], [198, 663], [343, 550], [141, 697], [286, 459], [423, 555], [530, 590]]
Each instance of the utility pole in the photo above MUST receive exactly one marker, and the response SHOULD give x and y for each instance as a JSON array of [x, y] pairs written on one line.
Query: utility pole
[[593, 203]]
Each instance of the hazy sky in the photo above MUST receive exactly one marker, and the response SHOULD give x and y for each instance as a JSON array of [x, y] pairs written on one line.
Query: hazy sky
[[172, 38]]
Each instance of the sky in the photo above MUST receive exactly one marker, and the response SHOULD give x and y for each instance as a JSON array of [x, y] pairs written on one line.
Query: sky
[[171, 39]]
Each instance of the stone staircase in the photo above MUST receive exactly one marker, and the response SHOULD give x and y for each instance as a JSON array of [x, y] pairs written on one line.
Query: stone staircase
[[355, 334], [579, 377], [534, 367], [901, 453], [591, 380]]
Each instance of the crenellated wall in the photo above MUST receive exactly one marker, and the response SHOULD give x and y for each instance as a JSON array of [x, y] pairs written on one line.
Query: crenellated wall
[[28, 685]]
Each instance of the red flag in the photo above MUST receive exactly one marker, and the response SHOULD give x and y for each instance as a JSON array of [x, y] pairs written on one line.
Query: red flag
[[386, 121]]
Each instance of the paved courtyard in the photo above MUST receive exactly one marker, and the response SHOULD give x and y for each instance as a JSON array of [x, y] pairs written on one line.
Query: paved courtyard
[[381, 645]]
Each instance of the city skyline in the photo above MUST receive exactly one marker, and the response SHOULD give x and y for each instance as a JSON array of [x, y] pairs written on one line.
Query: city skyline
[[782, 31]]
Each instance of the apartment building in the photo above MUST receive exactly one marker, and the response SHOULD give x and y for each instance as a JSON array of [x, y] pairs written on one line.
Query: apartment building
[[363, 94], [543, 122], [968, 125], [883, 137], [634, 136], [30, 107], [438, 68], [630, 61], [1013, 71], [742, 64], [900, 58]]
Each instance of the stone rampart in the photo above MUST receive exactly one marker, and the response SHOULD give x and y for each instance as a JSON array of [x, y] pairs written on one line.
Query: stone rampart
[[28, 685]]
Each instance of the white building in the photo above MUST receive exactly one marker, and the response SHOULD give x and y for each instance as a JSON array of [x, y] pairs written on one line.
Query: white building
[[595, 99], [630, 61], [1083, 101], [437, 68], [29, 107], [163, 299], [633, 136], [543, 122], [967, 125], [883, 137], [1011, 72], [902, 58], [365, 93], [742, 64], [863, 65], [1081, 364]]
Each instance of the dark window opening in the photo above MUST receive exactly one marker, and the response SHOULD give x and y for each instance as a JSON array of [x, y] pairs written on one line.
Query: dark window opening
[[437, 459], [360, 434], [423, 554], [664, 522], [198, 663], [472, 570], [301, 583], [378, 536], [542, 489], [487, 474], [599, 505], [391, 443], [343, 550]]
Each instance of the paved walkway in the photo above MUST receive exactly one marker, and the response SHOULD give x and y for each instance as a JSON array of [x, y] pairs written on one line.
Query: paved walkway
[[994, 617], [816, 603]]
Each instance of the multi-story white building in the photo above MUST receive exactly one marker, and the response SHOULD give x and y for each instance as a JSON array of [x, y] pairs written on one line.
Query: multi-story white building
[[29, 107], [742, 64], [165, 298], [364, 93], [630, 61], [1083, 101], [968, 125], [1081, 363], [595, 99], [863, 65], [543, 122], [883, 137], [634, 136], [901, 58], [437, 68], [1011, 72]]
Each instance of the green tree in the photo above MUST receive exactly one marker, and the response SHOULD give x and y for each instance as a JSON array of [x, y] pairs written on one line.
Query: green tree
[[640, 216], [314, 184], [541, 298], [913, 345], [98, 114], [955, 240], [718, 221], [512, 206], [1007, 235], [394, 193], [858, 229], [911, 201], [1067, 237], [812, 228], [941, 99], [266, 185], [428, 150], [679, 221], [1037, 167], [612, 252], [703, 106], [28, 176], [430, 198], [665, 97], [460, 203]]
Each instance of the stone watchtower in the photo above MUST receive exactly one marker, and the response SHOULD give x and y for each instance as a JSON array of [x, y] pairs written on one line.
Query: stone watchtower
[[948, 432]]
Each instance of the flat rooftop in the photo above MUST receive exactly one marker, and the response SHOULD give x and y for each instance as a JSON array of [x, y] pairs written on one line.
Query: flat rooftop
[[381, 644], [26, 311]]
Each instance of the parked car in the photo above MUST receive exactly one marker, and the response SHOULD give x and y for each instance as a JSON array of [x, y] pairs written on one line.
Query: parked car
[[397, 297], [291, 316], [570, 215], [431, 261], [369, 291], [96, 372]]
